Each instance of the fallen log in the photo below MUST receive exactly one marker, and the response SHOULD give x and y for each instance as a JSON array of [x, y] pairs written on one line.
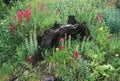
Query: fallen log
[[51, 37]]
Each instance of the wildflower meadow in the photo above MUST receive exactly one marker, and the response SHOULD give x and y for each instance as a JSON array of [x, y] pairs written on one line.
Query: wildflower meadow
[[31, 49]]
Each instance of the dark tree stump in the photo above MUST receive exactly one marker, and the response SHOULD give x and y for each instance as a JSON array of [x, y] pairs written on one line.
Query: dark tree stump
[[51, 37]]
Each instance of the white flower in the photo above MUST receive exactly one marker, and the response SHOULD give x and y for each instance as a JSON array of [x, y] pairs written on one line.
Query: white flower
[[116, 55]]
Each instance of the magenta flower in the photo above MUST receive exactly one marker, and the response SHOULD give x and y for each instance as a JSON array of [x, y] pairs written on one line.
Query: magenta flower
[[42, 7], [27, 14], [20, 15], [24, 14], [30, 57], [61, 40], [99, 18], [15, 17], [108, 37], [62, 47], [76, 54]]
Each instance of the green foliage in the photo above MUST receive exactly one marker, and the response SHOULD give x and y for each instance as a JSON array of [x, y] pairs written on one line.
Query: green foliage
[[112, 20], [117, 4], [31, 42], [21, 52]]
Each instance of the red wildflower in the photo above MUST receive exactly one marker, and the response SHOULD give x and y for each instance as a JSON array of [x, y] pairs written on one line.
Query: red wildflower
[[20, 15], [15, 17], [24, 14], [108, 36], [62, 47], [12, 28], [98, 18], [42, 7], [30, 57], [61, 40], [27, 14], [76, 54]]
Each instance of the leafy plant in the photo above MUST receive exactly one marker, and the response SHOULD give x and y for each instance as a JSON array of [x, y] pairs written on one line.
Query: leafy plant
[[112, 20]]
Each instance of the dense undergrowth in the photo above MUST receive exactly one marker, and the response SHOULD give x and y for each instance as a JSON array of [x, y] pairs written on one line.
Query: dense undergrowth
[[96, 60]]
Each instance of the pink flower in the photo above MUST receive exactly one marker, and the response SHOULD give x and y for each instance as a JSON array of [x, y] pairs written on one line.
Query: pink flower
[[62, 47], [42, 7], [61, 40], [108, 37], [20, 15], [15, 17], [98, 18], [27, 14], [24, 14], [30, 57], [76, 54]]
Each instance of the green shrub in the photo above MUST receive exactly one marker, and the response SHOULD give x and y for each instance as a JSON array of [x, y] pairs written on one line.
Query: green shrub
[[112, 20], [118, 4]]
